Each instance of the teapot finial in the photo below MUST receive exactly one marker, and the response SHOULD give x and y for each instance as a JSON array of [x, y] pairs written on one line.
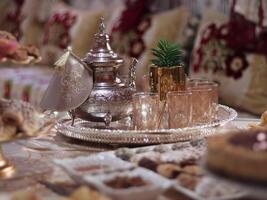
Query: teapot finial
[[102, 26], [132, 73]]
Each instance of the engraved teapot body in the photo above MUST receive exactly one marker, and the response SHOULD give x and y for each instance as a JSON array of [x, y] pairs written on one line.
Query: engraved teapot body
[[111, 97]]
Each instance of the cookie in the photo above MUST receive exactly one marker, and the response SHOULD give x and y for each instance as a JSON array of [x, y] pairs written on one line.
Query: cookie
[[188, 181], [169, 170], [263, 119], [7, 132], [193, 170], [12, 117], [85, 193], [24, 195], [148, 163]]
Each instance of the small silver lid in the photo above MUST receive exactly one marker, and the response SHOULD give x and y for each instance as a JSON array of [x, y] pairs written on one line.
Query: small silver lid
[[101, 54]]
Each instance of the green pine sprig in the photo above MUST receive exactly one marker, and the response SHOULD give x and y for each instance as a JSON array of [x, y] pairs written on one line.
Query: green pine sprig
[[167, 54]]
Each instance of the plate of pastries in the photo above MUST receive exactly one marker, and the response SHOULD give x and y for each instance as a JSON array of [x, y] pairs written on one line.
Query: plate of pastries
[[12, 51], [19, 120]]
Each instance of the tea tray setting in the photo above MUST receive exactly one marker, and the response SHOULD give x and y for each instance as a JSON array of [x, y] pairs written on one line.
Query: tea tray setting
[[107, 107]]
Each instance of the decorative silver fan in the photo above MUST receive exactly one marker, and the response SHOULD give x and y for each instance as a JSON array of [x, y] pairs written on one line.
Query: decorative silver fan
[[70, 85]]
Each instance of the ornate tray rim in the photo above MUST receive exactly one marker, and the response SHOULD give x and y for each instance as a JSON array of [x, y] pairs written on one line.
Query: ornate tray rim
[[119, 136]]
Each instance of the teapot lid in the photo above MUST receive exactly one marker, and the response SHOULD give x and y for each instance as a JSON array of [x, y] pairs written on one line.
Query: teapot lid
[[101, 53]]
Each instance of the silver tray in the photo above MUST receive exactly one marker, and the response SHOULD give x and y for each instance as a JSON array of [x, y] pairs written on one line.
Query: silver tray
[[83, 131]]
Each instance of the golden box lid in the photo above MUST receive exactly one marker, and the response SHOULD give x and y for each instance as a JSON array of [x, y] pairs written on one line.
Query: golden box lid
[[101, 54]]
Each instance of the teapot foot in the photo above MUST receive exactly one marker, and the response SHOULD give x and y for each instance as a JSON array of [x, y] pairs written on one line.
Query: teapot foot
[[108, 119], [73, 116]]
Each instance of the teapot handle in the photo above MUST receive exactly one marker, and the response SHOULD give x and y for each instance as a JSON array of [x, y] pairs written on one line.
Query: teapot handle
[[132, 73]]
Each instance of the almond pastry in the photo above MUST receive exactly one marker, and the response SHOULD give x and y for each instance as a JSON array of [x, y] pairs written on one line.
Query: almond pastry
[[263, 123], [193, 170], [82, 193], [169, 170], [148, 163], [24, 195], [12, 117], [85, 193], [7, 132], [188, 181], [263, 119]]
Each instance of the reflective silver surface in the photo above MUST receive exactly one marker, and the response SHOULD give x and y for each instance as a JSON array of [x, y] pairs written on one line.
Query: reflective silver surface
[[110, 99], [121, 133]]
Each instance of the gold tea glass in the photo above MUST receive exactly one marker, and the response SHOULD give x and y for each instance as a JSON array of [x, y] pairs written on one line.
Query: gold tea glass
[[214, 87], [201, 104], [179, 109], [195, 82], [146, 110]]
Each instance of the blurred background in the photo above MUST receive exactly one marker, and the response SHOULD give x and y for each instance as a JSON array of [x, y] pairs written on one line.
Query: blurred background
[[223, 40]]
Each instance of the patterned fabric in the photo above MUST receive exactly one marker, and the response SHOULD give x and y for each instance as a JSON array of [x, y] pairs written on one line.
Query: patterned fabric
[[127, 32], [241, 72], [63, 21], [134, 38], [214, 55], [68, 26], [224, 47], [28, 84], [188, 39]]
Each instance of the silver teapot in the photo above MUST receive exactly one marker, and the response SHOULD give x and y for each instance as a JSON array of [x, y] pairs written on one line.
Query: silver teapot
[[91, 88], [111, 97]]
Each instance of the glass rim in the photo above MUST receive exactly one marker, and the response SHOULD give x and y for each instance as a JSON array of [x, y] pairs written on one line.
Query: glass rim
[[212, 83], [145, 94], [199, 88], [204, 85], [198, 79], [182, 92], [203, 82]]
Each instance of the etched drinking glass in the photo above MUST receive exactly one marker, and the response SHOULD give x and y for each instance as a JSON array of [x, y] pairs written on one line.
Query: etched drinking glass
[[146, 110], [201, 104], [196, 81], [214, 90], [214, 87], [179, 109]]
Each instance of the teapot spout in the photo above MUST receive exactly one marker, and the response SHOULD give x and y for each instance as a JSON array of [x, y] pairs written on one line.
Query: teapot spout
[[132, 73]]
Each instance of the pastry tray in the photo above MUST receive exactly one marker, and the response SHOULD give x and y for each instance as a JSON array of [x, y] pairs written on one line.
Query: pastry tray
[[209, 188], [44, 124]]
